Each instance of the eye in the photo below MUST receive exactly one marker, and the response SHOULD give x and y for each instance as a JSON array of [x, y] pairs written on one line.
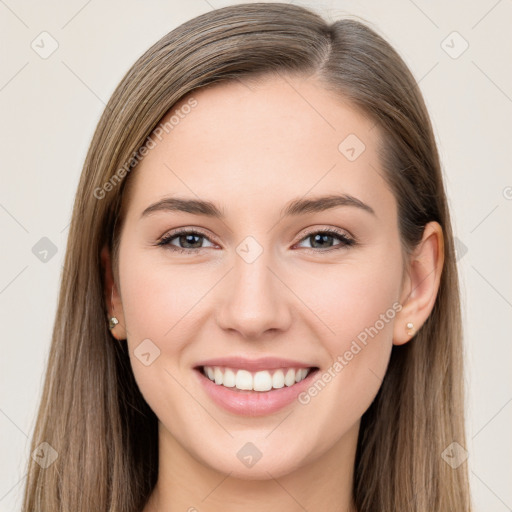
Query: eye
[[191, 241], [186, 237], [323, 239]]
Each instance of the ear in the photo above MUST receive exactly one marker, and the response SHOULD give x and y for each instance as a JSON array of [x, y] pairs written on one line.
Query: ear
[[421, 284], [112, 295]]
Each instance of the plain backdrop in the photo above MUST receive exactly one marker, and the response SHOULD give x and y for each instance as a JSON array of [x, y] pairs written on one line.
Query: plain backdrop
[[459, 52]]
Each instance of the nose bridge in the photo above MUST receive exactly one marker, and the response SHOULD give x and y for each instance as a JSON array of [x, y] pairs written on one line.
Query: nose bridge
[[253, 299]]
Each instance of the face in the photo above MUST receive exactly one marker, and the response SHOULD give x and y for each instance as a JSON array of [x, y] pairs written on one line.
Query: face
[[292, 307]]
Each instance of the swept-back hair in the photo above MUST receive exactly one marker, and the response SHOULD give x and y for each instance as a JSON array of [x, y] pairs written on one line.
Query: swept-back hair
[[92, 412]]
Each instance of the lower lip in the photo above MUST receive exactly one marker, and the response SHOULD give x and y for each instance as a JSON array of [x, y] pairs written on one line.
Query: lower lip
[[253, 403]]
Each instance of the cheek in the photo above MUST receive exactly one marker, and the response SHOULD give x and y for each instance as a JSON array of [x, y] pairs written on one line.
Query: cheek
[[366, 308], [359, 304], [162, 309], [353, 300], [158, 305], [159, 299]]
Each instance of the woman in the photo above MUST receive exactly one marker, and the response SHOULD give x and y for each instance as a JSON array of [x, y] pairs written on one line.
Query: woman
[[203, 357]]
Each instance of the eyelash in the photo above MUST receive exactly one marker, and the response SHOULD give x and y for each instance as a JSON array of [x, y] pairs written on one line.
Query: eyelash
[[346, 241]]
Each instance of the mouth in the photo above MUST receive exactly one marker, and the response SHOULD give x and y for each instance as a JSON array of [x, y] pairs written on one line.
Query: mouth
[[260, 381], [254, 393]]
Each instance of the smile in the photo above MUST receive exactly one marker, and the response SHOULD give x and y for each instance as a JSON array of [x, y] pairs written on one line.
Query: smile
[[264, 380], [254, 387]]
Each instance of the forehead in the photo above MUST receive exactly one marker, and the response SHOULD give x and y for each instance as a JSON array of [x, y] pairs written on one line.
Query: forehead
[[261, 144]]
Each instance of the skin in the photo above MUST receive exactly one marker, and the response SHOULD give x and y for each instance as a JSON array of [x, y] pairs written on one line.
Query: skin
[[252, 148]]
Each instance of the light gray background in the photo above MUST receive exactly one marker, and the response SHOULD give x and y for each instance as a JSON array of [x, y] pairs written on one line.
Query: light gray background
[[50, 108]]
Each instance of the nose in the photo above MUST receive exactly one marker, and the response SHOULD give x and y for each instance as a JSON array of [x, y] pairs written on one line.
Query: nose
[[254, 300]]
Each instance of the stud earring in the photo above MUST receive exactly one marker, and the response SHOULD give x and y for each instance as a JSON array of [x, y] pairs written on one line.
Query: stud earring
[[410, 328], [113, 320]]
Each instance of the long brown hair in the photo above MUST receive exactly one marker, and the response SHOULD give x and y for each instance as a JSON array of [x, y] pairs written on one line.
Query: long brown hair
[[92, 412]]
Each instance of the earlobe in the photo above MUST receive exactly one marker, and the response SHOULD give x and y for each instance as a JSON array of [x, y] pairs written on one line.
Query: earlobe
[[112, 298], [421, 285]]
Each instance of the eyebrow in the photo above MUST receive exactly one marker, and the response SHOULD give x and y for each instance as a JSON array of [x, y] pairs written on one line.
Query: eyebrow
[[293, 208]]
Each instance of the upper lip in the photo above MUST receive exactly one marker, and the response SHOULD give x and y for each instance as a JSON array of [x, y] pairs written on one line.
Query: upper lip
[[254, 365]]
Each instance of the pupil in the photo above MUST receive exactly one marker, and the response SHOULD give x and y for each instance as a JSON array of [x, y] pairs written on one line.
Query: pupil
[[321, 238], [190, 239]]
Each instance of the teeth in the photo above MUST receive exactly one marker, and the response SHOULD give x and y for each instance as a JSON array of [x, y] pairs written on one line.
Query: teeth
[[262, 381], [229, 379], [301, 374], [257, 381], [219, 376], [243, 380], [289, 378], [278, 380]]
